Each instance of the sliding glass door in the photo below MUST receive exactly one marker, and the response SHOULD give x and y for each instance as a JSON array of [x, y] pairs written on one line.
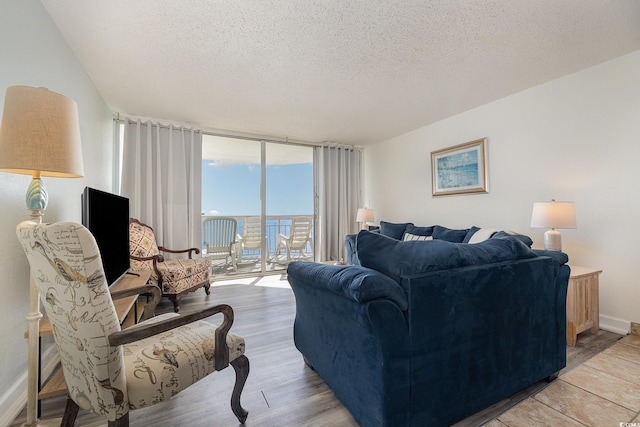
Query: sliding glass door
[[267, 188]]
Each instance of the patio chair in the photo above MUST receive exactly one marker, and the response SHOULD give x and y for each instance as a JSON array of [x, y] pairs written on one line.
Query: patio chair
[[219, 240], [107, 370], [251, 238], [174, 277], [297, 239]]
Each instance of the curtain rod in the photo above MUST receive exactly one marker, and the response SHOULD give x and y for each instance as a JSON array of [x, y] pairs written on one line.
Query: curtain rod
[[257, 138], [160, 125], [116, 117]]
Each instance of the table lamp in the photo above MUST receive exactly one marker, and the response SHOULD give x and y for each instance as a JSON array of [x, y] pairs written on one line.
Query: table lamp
[[365, 215], [39, 136], [553, 215]]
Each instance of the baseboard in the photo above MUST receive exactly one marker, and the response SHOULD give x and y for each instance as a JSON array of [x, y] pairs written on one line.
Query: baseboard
[[615, 325], [13, 401]]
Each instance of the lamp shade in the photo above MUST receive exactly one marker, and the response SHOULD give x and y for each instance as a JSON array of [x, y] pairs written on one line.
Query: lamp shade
[[364, 215], [40, 134], [553, 215]]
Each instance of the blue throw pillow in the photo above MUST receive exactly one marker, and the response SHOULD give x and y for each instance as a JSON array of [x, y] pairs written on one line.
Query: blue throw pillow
[[449, 234], [393, 230], [397, 258]]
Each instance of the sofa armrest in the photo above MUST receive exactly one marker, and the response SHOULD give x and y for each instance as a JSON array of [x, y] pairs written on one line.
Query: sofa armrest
[[559, 257], [352, 281], [351, 327], [350, 246]]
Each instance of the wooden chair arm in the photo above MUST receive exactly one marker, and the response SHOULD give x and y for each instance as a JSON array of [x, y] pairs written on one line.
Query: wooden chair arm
[[150, 306], [221, 352], [181, 251], [156, 259]]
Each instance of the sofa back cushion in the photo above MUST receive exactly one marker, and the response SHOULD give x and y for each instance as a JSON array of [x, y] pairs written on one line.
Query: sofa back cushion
[[403, 258], [393, 230], [449, 234]]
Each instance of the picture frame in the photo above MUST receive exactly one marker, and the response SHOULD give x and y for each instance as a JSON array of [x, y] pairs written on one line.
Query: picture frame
[[461, 169]]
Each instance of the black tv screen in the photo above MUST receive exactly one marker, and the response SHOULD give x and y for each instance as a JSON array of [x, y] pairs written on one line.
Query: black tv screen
[[106, 215]]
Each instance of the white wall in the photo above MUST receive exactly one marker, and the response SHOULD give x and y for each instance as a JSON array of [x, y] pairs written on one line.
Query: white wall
[[33, 53], [573, 139]]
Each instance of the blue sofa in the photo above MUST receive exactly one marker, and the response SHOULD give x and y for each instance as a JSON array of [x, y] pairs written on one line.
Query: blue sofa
[[426, 333]]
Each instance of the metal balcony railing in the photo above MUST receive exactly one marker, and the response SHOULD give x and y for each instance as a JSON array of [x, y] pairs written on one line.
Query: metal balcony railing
[[275, 225]]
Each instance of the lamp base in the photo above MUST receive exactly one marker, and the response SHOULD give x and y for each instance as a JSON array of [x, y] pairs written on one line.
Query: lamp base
[[37, 196], [552, 240]]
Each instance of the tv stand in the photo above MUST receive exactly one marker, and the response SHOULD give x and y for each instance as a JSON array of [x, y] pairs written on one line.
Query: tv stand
[[129, 311]]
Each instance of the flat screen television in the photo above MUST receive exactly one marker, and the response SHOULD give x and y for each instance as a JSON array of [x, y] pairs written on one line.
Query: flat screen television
[[106, 215]]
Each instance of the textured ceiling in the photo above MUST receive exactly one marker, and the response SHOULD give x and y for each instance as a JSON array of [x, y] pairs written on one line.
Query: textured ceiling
[[345, 71]]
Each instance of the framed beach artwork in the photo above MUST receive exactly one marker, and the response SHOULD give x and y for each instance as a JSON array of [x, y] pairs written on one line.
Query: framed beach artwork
[[460, 169]]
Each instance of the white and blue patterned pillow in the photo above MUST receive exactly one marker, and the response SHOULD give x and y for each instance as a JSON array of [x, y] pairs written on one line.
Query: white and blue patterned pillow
[[409, 236]]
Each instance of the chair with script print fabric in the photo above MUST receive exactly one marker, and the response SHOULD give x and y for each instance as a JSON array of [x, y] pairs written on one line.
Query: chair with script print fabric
[[110, 371], [174, 277]]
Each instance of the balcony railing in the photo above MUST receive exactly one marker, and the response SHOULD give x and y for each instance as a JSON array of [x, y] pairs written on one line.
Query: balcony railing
[[275, 225]]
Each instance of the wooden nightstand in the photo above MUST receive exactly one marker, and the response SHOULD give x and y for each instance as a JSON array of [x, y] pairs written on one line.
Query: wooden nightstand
[[582, 302]]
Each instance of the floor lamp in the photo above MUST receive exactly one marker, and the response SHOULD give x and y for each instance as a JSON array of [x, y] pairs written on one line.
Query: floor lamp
[[39, 136]]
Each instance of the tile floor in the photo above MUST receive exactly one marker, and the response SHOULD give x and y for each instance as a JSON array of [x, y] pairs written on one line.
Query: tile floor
[[603, 391]]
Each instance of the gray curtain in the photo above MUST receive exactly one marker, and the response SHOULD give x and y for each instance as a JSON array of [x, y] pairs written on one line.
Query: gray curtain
[[340, 192], [162, 177]]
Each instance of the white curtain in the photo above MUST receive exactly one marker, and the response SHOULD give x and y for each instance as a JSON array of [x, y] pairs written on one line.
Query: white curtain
[[340, 190], [161, 176]]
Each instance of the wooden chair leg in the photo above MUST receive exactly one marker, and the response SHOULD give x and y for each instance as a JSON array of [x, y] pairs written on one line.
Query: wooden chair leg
[[241, 366], [123, 421], [70, 413], [176, 304]]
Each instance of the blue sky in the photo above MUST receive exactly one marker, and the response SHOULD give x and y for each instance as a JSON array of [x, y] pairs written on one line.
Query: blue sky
[[233, 189]]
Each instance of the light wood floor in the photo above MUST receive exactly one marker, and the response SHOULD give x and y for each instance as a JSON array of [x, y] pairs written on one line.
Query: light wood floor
[[281, 391]]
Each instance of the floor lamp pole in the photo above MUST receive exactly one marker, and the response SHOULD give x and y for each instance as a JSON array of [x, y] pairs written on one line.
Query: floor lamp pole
[[33, 361]]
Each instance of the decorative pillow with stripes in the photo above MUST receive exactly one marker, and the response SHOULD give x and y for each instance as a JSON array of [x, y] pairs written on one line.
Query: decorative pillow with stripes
[[409, 236]]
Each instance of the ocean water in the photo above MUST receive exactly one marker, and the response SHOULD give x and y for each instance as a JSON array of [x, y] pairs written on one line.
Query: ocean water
[[460, 176]]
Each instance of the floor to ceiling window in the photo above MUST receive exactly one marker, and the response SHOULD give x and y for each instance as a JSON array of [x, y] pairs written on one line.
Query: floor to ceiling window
[[267, 189]]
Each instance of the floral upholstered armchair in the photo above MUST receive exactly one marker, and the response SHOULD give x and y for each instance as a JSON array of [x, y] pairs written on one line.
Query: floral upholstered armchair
[[102, 364], [174, 277]]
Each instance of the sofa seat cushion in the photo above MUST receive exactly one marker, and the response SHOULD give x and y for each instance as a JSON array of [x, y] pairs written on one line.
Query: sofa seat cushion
[[355, 282], [151, 363], [404, 258]]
